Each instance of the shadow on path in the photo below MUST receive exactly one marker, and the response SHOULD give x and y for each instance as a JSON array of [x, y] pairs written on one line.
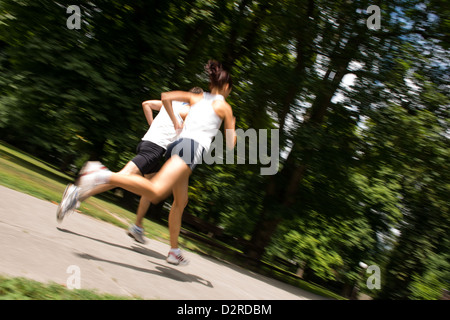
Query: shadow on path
[[134, 248], [161, 270]]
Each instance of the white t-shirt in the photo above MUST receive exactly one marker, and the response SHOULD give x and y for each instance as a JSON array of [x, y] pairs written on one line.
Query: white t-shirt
[[202, 122], [162, 131]]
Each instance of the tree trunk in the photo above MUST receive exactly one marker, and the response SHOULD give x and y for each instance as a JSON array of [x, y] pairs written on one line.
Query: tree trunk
[[279, 196], [262, 235], [283, 187], [245, 47]]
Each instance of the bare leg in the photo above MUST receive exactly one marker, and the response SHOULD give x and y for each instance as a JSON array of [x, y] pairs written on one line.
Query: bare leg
[[161, 184], [180, 195], [96, 190], [130, 168], [142, 209], [144, 204]]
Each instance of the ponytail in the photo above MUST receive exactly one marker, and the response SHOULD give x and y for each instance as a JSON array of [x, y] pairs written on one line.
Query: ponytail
[[218, 77]]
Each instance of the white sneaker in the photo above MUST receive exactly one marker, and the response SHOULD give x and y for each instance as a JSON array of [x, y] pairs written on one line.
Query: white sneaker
[[92, 174], [69, 202], [177, 259], [136, 233]]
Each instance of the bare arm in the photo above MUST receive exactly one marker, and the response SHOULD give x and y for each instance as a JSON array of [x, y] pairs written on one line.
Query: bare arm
[[183, 96], [223, 110], [148, 107]]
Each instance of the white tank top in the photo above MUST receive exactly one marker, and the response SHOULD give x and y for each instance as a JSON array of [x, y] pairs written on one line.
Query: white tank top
[[162, 131], [202, 122]]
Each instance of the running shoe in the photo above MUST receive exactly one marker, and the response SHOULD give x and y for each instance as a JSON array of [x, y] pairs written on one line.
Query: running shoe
[[177, 259], [90, 175], [136, 233], [69, 202]]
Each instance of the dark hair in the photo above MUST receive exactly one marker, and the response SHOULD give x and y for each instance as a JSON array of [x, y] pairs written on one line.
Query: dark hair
[[218, 76], [196, 90]]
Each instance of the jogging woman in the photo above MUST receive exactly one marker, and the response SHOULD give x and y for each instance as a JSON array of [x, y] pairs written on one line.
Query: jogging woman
[[208, 111]]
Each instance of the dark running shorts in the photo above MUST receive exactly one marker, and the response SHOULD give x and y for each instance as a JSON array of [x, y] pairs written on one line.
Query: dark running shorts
[[187, 149], [148, 158]]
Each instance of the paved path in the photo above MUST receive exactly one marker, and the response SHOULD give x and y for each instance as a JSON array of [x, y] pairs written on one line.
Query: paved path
[[34, 245]]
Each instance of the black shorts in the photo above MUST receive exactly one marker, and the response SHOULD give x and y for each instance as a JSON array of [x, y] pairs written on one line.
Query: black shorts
[[187, 149], [148, 158]]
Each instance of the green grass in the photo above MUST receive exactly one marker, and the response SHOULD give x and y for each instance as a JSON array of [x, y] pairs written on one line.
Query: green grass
[[27, 174], [26, 289]]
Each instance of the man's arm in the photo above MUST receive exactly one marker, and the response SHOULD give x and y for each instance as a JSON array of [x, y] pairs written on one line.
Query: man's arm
[[148, 107]]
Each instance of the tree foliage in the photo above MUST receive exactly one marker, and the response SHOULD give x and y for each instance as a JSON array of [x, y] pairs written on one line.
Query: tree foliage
[[364, 170]]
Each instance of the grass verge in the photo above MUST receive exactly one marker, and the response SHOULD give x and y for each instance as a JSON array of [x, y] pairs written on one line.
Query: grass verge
[[26, 289]]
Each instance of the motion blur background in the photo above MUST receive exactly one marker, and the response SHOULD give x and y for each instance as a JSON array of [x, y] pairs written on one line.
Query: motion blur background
[[363, 116]]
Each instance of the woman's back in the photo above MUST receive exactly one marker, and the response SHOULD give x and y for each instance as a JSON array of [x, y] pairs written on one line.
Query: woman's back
[[202, 122]]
